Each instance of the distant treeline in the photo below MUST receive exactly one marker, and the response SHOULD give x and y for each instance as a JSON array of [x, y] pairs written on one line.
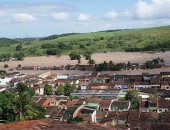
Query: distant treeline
[[7, 42], [57, 36], [151, 47]]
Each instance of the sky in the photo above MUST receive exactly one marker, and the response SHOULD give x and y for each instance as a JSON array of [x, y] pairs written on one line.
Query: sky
[[39, 18]]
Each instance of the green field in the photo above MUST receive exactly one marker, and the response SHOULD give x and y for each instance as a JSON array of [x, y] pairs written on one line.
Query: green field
[[149, 39]]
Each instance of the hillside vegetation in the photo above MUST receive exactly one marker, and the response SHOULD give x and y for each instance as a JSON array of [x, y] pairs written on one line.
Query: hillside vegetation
[[150, 39], [7, 42]]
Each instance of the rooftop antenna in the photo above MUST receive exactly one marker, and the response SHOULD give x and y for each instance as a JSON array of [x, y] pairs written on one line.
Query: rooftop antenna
[[26, 39]]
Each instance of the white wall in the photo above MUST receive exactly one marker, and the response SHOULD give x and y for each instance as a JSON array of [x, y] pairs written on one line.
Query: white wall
[[3, 82], [93, 116], [39, 91]]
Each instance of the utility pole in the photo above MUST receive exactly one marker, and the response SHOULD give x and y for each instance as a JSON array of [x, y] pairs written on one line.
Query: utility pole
[[117, 121]]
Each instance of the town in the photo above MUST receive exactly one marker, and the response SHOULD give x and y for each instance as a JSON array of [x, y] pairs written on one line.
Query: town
[[114, 101], [85, 65]]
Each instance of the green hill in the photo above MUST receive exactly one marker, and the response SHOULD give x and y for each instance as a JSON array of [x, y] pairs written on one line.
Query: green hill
[[149, 39], [7, 42]]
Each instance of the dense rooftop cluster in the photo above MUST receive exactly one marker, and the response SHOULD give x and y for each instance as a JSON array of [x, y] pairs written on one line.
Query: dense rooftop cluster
[[97, 101]]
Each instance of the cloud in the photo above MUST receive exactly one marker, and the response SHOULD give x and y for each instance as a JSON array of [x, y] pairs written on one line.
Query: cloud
[[60, 16], [111, 14], [156, 9], [83, 17], [127, 13], [37, 7], [23, 17], [1, 13]]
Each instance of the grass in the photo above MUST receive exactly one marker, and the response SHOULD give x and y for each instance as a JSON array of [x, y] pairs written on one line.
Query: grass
[[157, 38]]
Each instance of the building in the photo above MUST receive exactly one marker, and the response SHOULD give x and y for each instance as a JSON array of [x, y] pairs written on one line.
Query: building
[[112, 93]]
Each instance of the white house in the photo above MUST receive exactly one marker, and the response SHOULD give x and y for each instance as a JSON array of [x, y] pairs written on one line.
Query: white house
[[39, 91], [65, 77], [4, 82]]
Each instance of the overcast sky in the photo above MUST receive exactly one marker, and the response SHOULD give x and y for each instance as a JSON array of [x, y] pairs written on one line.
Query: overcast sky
[[47, 17]]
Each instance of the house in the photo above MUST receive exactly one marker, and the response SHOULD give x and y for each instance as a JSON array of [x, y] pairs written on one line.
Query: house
[[5, 82], [88, 114], [83, 83], [140, 120], [165, 74], [115, 118], [59, 102], [62, 104], [71, 103], [163, 105], [39, 91], [100, 115], [72, 111], [143, 107], [95, 86], [63, 77], [120, 105], [93, 100], [55, 113], [153, 102], [105, 105], [144, 96], [44, 75], [43, 102], [88, 110], [165, 86], [154, 105], [110, 93]]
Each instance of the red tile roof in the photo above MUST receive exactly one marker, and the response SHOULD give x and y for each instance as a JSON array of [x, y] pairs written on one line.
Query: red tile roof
[[93, 99], [44, 102], [52, 125], [105, 103], [162, 103], [72, 103]]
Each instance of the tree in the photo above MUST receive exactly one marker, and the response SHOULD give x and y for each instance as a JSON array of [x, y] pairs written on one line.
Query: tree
[[19, 107], [7, 106], [134, 98], [149, 64], [19, 66], [162, 49], [48, 90], [60, 90], [87, 56], [91, 61], [82, 46], [74, 56], [162, 60], [128, 64], [24, 106], [5, 57], [21, 87], [68, 88], [19, 56], [18, 47], [6, 66], [41, 113], [54, 51]]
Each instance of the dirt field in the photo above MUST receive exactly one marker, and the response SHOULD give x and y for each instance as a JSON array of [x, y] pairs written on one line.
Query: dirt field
[[98, 57]]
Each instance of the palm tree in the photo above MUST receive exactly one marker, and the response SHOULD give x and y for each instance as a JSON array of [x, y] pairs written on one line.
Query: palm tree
[[25, 106]]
